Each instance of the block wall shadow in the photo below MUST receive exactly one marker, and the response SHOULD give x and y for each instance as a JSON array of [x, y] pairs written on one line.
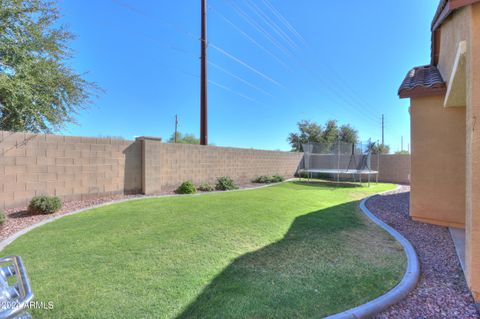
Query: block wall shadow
[[133, 168]]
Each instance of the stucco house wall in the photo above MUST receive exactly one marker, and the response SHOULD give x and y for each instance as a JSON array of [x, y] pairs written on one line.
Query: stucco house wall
[[473, 155], [446, 131], [438, 162], [439, 141], [454, 30]]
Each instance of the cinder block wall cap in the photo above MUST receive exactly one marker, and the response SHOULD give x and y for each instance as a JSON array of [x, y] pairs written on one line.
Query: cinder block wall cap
[[150, 138]]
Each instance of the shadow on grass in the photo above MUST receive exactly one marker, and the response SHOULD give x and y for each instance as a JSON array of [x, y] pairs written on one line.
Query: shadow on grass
[[305, 274]]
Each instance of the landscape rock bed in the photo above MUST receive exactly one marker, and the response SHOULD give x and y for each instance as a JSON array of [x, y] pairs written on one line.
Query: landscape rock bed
[[442, 291]]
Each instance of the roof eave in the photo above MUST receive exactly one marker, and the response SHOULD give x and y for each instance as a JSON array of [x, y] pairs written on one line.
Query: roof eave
[[445, 9], [448, 7], [421, 91]]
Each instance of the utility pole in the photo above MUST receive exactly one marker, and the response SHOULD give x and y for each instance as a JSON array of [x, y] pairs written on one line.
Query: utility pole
[[203, 78], [383, 130], [176, 128], [402, 144]]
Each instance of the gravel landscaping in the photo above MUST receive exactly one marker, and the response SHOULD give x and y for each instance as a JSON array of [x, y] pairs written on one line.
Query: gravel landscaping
[[442, 291]]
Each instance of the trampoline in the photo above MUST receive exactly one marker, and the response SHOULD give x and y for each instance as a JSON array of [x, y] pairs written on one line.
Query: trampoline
[[340, 159]]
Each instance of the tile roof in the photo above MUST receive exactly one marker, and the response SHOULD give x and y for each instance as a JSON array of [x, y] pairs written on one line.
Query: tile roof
[[422, 81]]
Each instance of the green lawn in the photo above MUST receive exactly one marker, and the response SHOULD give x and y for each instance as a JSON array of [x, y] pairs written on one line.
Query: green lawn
[[292, 250]]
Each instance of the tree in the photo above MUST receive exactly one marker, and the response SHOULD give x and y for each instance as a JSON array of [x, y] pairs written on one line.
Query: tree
[[402, 152], [348, 134], [39, 91], [380, 149], [184, 139], [310, 131], [331, 132]]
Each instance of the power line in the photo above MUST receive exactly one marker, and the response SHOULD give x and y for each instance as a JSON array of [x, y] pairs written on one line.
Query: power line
[[258, 27], [266, 77], [220, 86], [188, 53], [340, 96], [284, 21], [266, 19], [343, 93], [352, 91], [239, 78], [261, 30], [226, 71], [251, 39], [233, 91], [345, 96], [248, 19], [219, 49]]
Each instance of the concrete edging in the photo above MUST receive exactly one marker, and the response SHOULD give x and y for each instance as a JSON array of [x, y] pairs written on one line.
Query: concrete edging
[[400, 291]]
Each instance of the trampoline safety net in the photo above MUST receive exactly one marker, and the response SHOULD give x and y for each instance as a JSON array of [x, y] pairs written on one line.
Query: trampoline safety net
[[339, 158]]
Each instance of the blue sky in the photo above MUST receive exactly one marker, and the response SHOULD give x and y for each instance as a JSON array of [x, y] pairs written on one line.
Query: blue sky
[[341, 60]]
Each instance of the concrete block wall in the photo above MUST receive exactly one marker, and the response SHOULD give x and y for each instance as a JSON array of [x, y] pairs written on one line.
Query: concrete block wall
[[393, 168], [168, 165], [76, 168], [72, 168]]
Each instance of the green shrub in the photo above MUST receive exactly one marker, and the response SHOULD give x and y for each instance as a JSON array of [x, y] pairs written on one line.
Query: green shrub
[[225, 183], [2, 217], [268, 179], [261, 179], [186, 188], [44, 204], [276, 179], [205, 187]]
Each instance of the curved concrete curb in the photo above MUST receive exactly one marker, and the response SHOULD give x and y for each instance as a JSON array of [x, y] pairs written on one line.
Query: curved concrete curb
[[399, 292], [7, 241]]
